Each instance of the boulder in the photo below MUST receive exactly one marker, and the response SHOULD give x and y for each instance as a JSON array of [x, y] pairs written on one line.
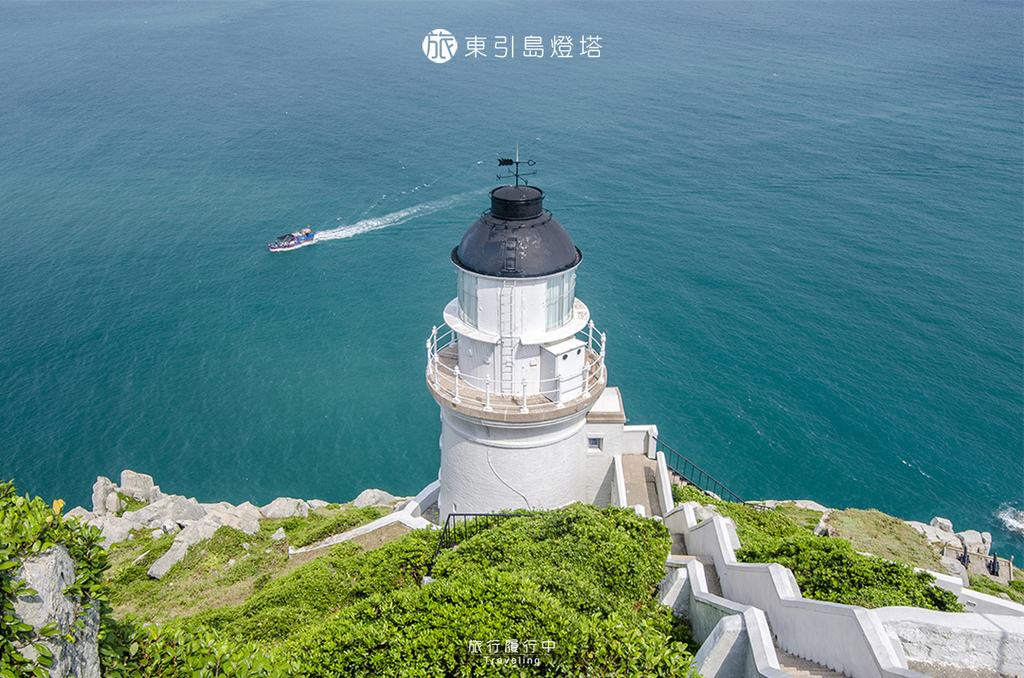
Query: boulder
[[86, 516], [114, 529], [243, 523], [220, 506], [173, 507], [955, 568], [114, 503], [317, 503], [986, 543], [972, 541], [374, 498], [100, 490], [811, 506], [136, 485], [193, 534], [279, 535], [935, 535], [942, 524], [49, 573], [285, 507]]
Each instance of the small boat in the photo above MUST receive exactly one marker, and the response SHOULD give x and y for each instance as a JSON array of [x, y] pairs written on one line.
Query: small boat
[[292, 240]]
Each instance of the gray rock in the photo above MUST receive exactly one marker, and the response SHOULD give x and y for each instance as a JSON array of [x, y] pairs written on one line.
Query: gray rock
[[400, 506], [220, 506], [49, 573], [174, 508], [279, 535], [114, 503], [955, 568], [156, 534], [374, 498], [972, 540], [811, 505], [100, 490], [942, 524], [986, 543], [136, 485], [155, 494], [114, 529], [317, 503], [198, 531], [285, 507], [935, 535], [248, 525], [170, 527], [85, 516], [823, 528]]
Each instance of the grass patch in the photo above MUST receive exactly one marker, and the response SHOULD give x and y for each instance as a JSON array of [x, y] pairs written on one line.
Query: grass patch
[[886, 537], [805, 518], [983, 584], [321, 525], [129, 504], [221, 571]]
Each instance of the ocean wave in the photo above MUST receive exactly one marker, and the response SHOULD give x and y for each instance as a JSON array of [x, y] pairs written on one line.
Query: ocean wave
[[393, 219], [1012, 518]]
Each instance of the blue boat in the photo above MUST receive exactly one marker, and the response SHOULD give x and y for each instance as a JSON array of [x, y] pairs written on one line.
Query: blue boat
[[292, 240]]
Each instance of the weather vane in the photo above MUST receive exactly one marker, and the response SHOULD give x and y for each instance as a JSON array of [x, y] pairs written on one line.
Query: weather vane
[[507, 162]]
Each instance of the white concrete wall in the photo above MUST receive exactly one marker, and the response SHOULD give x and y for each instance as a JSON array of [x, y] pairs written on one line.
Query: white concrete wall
[[487, 466], [973, 601], [619, 480], [639, 440], [849, 640], [735, 639], [600, 478], [663, 485], [611, 434], [972, 641]]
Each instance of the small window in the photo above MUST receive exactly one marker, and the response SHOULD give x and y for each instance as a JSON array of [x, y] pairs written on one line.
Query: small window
[[467, 298], [595, 443]]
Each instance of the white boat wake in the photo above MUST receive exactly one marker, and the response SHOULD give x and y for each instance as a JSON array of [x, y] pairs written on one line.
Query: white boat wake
[[393, 219]]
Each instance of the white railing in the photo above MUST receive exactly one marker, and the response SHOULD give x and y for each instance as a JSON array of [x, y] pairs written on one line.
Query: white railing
[[445, 377]]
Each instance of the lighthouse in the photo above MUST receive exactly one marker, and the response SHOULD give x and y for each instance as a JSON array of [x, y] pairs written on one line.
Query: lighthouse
[[517, 365]]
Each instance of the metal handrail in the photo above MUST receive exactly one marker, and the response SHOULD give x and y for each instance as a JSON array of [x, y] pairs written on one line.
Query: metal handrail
[[455, 383], [695, 475], [471, 524]]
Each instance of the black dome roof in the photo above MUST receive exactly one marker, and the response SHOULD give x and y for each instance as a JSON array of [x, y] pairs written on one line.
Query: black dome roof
[[516, 238]]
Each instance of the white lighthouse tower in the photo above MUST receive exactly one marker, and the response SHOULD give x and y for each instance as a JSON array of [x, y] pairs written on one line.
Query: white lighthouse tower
[[517, 365]]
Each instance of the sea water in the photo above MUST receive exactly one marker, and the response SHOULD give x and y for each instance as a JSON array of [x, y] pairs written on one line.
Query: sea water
[[801, 225]]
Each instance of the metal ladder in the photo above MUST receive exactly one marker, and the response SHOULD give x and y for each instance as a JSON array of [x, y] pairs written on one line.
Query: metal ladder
[[508, 342]]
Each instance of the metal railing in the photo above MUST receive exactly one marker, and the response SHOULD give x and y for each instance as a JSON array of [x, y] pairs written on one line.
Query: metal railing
[[444, 375], [695, 475], [459, 527]]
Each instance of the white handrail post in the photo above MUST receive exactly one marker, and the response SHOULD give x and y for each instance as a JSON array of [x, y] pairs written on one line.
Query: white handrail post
[[558, 387], [456, 400], [487, 395], [524, 409], [590, 335]]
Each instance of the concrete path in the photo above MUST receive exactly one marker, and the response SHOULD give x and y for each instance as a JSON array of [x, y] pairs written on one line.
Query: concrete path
[[802, 668], [639, 475]]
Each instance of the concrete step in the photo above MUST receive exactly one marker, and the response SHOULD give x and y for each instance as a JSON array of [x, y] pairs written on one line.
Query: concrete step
[[799, 667]]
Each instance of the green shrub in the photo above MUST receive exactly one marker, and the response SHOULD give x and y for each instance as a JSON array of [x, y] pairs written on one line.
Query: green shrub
[[580, 580], [829, 569], [30, 526]]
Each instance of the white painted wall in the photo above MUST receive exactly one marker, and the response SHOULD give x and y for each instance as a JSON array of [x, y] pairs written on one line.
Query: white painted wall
[[972, 641], [488, 466]]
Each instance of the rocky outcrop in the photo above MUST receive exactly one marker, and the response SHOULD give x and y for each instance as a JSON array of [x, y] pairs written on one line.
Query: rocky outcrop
[[285, 507], [374, 498], [940, 533], [49, 573]]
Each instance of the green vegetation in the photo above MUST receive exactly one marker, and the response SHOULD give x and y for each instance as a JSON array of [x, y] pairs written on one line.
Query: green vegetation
[[828, 568], [579, 583], [1014, 590], [224, 570], [320, 525], [29, 526], [574, 588], [884, 536], [805, 518], [129, 504]]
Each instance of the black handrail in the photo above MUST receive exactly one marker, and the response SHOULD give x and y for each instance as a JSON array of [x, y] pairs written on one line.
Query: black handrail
[[459, 527], [695, 475]]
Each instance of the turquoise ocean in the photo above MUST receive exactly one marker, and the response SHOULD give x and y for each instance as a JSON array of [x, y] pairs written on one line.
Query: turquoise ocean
[[801, 225]]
